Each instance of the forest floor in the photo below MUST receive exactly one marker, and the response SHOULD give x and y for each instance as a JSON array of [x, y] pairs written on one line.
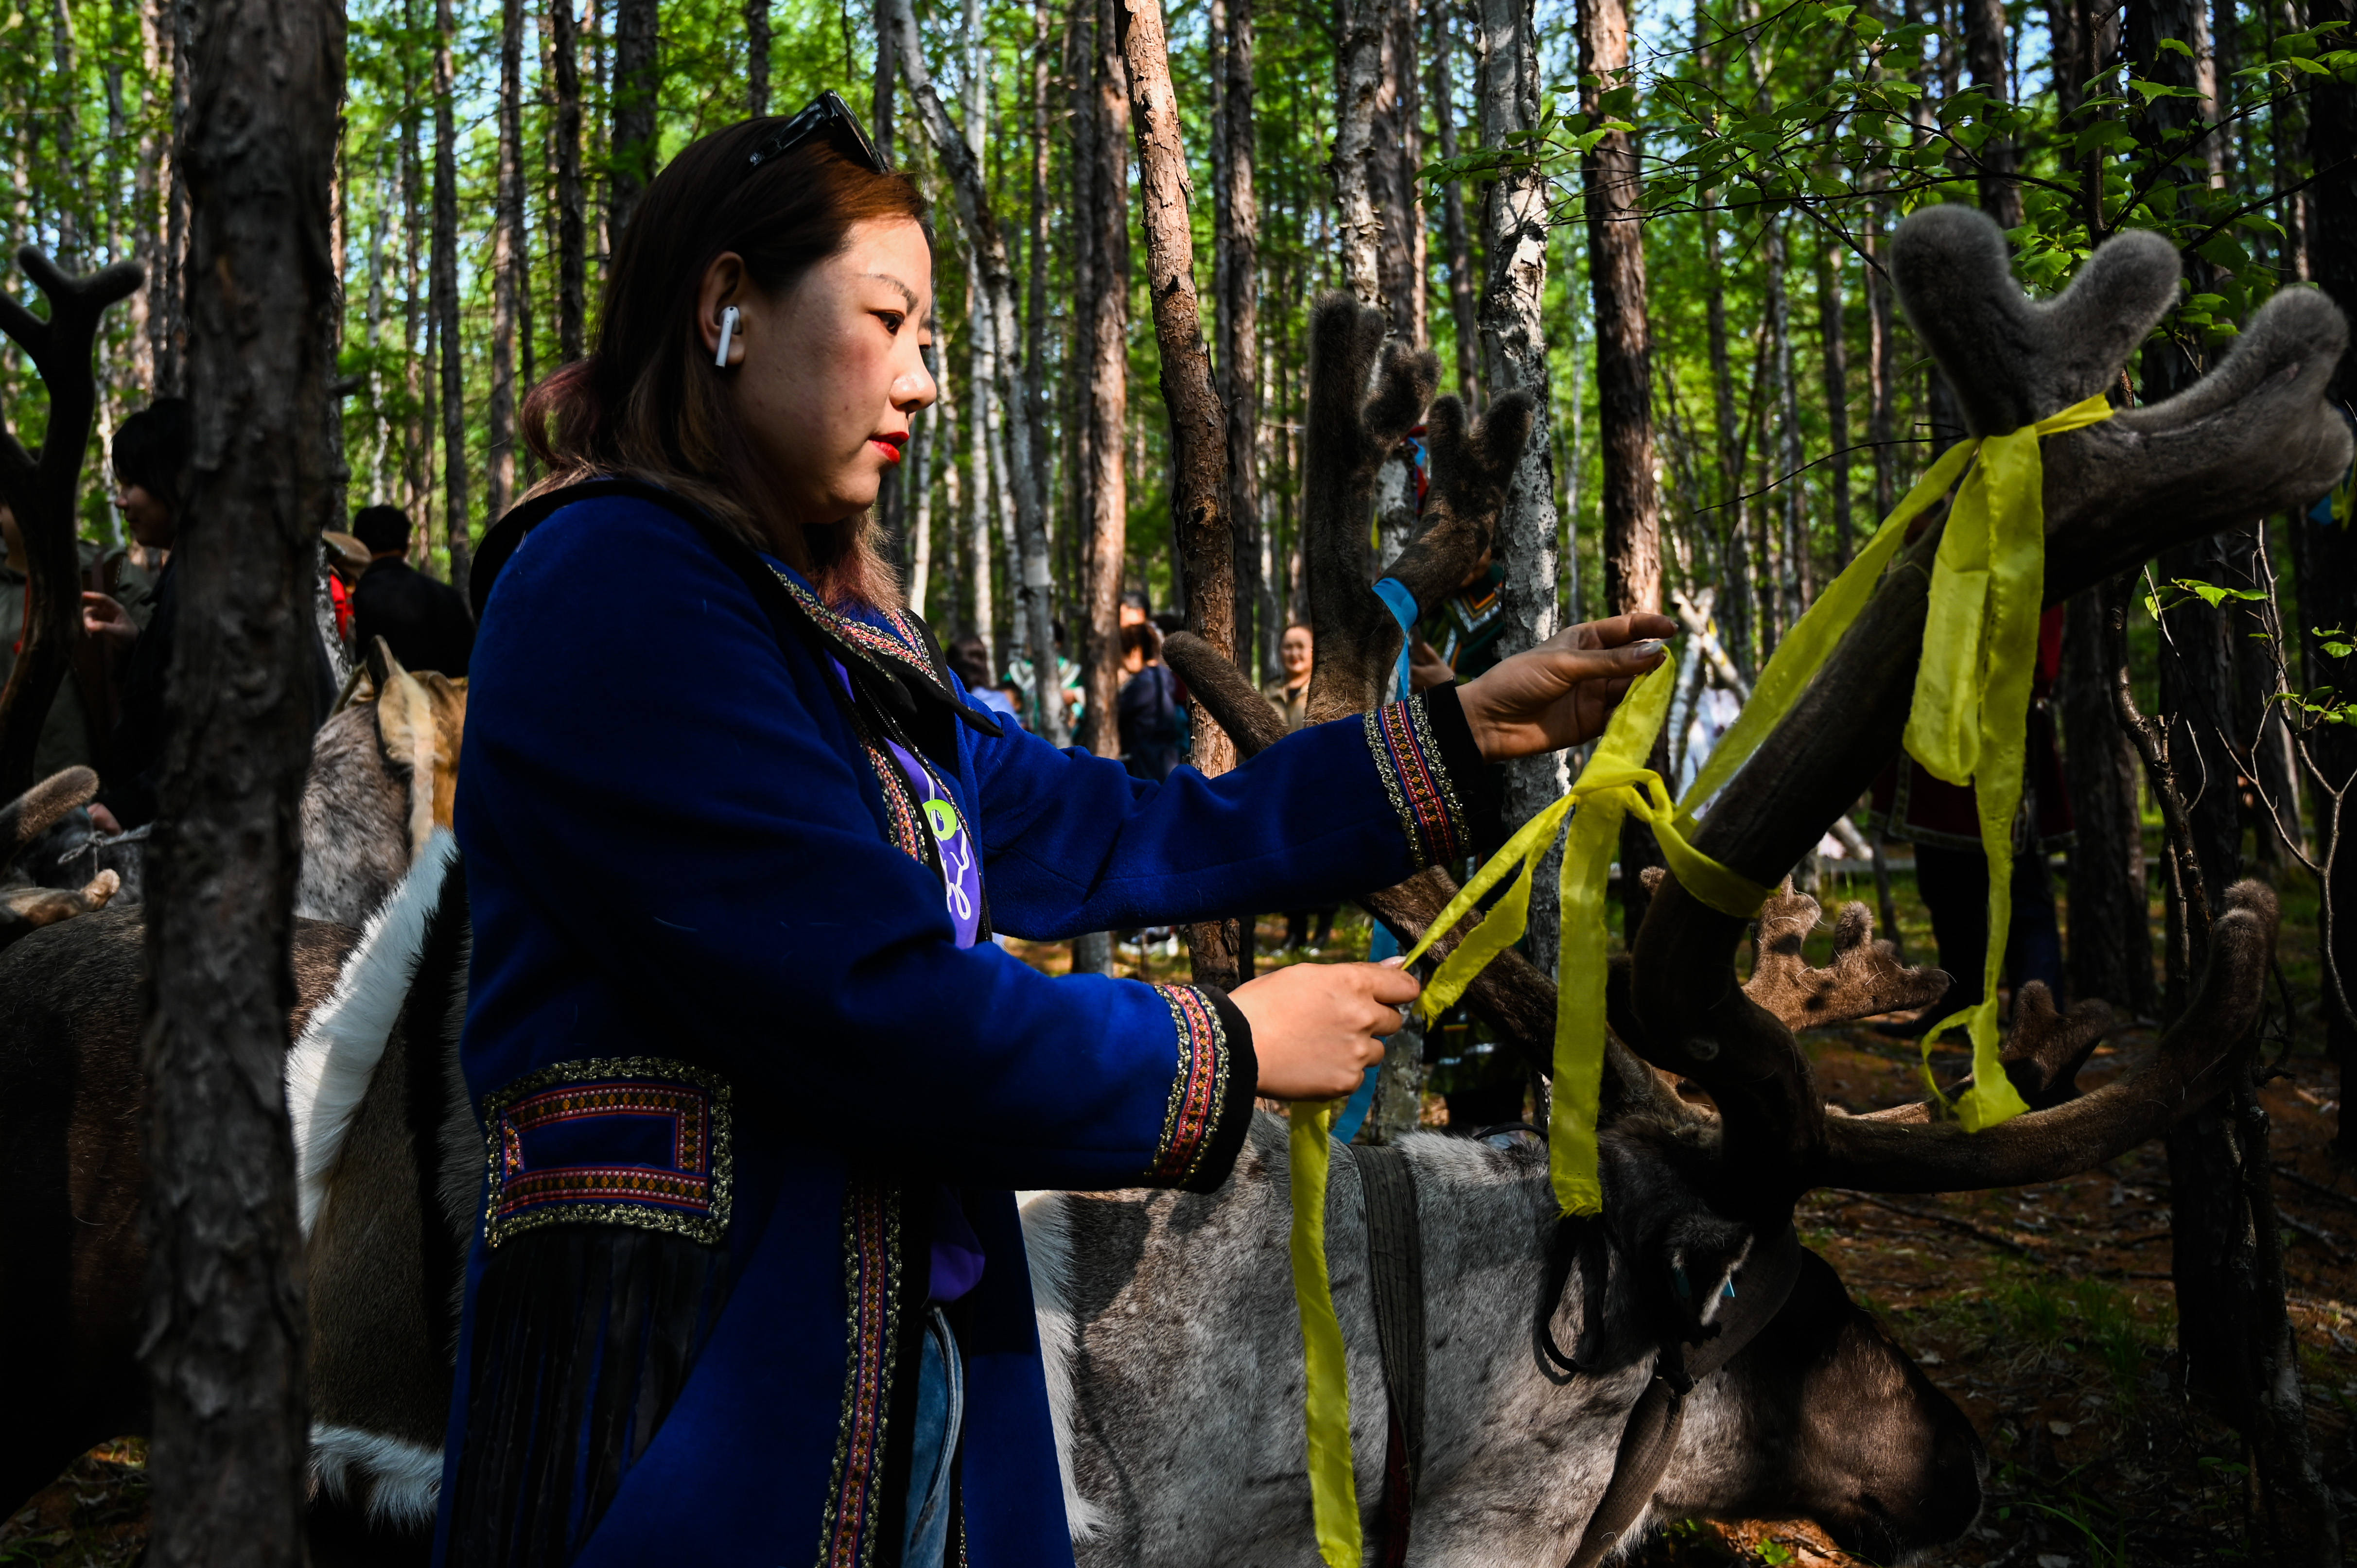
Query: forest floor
[[2046, 1313]]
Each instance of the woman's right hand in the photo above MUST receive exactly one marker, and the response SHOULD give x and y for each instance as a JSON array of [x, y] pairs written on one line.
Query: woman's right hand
[[1316, 1027]]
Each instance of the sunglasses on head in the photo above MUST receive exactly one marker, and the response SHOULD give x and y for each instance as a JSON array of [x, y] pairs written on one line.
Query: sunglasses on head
[[830, 119]]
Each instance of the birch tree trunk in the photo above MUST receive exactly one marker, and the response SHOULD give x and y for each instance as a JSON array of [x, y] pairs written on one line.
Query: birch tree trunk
[[637, 83], [572, 214], [224, 1342], [1453, 231], [1031, 582], [444, 286], [508, 243], [1199, 424], [1514, 359], [1358, 73]]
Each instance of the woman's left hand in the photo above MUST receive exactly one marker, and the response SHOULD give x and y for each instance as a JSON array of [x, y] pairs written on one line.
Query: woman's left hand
[[1560, 692]]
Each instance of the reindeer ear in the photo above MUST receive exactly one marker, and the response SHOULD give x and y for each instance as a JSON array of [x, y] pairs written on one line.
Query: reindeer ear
[[404, 723], [2009, 362]]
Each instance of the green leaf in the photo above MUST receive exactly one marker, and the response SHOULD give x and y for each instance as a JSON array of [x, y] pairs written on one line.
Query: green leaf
[[2176, 47]]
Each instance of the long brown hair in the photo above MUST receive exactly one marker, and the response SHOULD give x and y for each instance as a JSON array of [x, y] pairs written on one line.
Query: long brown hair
[[649, 402]]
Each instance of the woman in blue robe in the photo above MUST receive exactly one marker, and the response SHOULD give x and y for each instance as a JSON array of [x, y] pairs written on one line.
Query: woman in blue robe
[[756, 1087]]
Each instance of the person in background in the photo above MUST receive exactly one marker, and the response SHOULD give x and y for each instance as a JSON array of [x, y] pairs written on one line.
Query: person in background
[[65, 733], [1153, 732], [423, 622], [1942, 821], [1297, 651], [1068, 687], [153, 453], [970, 659]]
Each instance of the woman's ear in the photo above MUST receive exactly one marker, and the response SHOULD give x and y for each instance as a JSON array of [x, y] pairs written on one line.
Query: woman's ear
[[725, 285]]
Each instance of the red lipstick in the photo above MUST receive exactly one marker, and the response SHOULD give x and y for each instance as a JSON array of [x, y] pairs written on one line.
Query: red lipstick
[[890, 445]]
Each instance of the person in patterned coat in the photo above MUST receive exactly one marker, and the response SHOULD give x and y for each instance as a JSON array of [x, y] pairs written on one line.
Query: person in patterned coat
[[757, 1089]]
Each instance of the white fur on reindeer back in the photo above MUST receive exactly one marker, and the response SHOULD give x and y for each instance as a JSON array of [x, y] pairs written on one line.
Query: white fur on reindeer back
[[328, 1070]]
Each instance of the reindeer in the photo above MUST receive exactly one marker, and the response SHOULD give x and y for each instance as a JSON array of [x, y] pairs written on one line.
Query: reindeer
[[1713, 1366], [71, 1091]]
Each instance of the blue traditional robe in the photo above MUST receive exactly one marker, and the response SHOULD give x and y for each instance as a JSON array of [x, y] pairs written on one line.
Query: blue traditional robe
[[729, 1055]]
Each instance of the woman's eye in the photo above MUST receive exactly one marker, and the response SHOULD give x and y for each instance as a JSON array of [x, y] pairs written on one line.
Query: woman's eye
[[892, 320]]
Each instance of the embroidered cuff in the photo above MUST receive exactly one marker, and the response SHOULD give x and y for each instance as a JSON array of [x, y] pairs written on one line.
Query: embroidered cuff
[[1443, 791], [1211, 1097]]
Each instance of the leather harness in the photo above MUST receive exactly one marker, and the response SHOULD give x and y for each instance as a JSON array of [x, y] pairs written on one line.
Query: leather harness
[[1395, 1277]]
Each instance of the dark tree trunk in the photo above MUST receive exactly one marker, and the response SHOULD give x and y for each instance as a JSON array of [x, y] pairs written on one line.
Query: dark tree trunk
[[887, 79], [1398, 139], [572, 215], [2327, 571], [1453, 231], [2227, 1260], [2111, 931], [1105, 310], [1613, 181], [509, 247], [1237, 241], [455, 519], [637, 85], [1834, 335], [1984, 57], [757, 61], [224, 1334], [1199, 424]]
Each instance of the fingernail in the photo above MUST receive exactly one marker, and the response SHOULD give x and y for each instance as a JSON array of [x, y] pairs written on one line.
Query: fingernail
[[1646, 649], [1397, 960]]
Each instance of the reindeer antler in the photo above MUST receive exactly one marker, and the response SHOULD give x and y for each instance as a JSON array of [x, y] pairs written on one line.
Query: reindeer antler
[[41, 493], [1364, 396], [1864, 977], [2252, 437]]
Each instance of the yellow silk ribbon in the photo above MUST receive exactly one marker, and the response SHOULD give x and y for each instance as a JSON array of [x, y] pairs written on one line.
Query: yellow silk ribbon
[[1334, 1488], [1616, 783], [1970, 719]]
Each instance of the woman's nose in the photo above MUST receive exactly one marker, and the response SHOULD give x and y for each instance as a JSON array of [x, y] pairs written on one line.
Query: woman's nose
[[914, 389]]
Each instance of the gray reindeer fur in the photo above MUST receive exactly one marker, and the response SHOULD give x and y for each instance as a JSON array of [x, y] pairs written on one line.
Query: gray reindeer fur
[[355, 846], [1176, 1369]]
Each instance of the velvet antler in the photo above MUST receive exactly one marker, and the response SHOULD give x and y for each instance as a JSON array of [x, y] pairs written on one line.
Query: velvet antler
[[2252, 437], [1864, 977]]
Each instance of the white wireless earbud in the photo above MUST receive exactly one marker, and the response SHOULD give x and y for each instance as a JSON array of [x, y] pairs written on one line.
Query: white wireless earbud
[[728, 330]]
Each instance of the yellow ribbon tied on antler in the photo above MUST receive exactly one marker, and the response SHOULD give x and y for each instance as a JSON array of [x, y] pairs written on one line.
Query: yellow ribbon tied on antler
[[1967, 725], [1615, 784]]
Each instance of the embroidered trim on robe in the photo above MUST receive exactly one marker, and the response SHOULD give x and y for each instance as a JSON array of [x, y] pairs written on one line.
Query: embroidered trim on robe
[[1199, 1091], [600, 1106], [873, 1286], [1409, 761]]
